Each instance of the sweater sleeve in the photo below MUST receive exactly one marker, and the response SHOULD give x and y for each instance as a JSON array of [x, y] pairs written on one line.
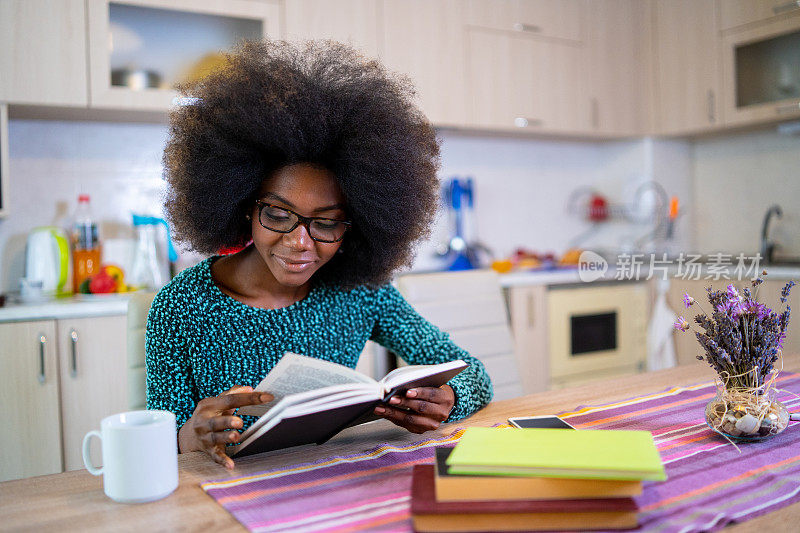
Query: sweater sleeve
[[169, 375], [402, 330]]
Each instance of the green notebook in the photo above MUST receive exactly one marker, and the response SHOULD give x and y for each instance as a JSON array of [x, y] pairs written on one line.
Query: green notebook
[[587, 454]]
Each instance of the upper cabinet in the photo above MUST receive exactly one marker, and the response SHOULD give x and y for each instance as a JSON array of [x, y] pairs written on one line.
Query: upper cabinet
[[525, 67], [350, 21], [735, 13], [761, 69], [686, 76], [139, 49], [617, 66], [425, 41], [583, 68], [43, 52]]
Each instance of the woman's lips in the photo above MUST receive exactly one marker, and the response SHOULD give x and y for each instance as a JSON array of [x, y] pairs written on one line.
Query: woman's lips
[[294, 265]]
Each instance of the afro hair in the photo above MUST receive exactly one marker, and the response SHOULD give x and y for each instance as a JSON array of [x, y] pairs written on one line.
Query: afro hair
[[275, 104]]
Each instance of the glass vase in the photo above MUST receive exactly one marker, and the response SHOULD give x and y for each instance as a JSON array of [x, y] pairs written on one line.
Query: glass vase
[[746, 415]]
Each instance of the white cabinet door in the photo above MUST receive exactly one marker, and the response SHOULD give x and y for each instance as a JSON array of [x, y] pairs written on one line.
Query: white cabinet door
[[618, 53], [349, 21], [524, 83], [425, 40], [687, 74], [94, 378], [30, 442], [527, 306], [43, 52]]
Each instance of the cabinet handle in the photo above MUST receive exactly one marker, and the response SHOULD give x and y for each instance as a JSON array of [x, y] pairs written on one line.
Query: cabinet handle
[[42, 342], [595, 114], [783, 8], [787, 108], [522, 122], [712, 116], [531, 311], [529, 28], [73, 335]]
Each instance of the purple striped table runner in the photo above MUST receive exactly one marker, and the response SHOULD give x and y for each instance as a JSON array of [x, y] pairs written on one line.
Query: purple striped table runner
[[710, 483]]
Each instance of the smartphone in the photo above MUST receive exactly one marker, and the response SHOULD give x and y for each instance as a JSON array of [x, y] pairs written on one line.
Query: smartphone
[[543, 421]]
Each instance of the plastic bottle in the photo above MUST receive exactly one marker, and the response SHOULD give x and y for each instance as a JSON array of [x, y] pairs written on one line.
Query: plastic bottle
[[85, 244]]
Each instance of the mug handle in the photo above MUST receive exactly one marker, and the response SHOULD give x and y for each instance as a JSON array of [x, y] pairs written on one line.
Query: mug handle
[[87, 460]]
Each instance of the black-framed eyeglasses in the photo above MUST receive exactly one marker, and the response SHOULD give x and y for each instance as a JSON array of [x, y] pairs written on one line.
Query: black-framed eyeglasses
[[284, 220]]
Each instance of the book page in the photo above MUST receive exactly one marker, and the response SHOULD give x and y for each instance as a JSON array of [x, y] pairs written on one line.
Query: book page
[[407, 374], [297, 373]]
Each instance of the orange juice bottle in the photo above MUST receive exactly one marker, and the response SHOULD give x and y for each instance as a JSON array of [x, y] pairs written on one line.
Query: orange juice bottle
[[85, 244]]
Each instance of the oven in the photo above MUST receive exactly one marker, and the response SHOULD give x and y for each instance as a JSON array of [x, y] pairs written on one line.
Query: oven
[[596, 330]]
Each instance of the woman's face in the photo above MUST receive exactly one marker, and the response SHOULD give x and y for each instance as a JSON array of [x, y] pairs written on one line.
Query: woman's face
[[311, 191]]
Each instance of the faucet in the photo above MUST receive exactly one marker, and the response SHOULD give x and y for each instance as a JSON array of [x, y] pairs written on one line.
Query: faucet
[[768, 248]]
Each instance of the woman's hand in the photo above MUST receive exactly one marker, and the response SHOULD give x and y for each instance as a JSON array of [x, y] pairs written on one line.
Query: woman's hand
[[421, 409], [208, 428]]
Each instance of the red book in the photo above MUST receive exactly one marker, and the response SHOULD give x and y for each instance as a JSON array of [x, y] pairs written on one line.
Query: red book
[[428, 514]]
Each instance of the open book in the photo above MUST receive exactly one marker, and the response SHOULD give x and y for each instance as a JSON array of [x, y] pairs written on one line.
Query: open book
[[316, 399]]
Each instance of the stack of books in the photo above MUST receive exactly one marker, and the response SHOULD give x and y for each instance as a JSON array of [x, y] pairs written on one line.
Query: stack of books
[[508, 479]]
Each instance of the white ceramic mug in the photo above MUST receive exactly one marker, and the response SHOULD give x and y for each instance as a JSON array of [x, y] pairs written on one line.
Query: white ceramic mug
[[140, 455]]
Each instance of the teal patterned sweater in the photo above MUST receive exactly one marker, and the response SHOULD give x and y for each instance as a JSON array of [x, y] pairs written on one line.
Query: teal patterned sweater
[[200, 342]]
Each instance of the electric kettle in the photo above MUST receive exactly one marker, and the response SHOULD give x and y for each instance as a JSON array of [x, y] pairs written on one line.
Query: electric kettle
[[47, 259]]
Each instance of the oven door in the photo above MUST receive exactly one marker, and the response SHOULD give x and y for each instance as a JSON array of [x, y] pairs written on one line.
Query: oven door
[[597, 330]]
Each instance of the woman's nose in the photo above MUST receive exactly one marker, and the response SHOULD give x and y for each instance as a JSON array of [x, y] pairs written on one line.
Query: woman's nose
[[298, 238]]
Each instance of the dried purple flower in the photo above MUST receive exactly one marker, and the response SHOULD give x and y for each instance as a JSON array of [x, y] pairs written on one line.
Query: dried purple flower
[[687, 300], [786, 290], [733, 294], [681, 324], [742, 337]]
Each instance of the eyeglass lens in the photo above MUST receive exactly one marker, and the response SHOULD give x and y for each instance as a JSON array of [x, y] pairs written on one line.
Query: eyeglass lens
[[283, 221]]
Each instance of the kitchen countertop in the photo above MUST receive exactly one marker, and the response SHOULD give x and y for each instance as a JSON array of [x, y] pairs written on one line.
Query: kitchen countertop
[[117, 304], [570, 275], [72, 307]]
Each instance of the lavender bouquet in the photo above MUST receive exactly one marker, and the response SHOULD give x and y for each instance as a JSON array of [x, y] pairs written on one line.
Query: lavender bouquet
[[742, 340]]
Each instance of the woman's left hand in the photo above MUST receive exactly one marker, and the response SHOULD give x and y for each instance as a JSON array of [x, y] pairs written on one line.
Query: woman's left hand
[[421, 409]]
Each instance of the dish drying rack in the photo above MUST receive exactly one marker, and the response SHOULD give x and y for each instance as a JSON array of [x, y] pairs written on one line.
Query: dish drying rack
[[651, 207]]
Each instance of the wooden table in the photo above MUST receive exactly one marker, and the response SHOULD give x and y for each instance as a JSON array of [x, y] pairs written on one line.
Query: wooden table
[[75, 500]]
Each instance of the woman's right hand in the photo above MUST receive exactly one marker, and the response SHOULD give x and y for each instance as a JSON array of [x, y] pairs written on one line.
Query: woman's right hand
[[208, 428]]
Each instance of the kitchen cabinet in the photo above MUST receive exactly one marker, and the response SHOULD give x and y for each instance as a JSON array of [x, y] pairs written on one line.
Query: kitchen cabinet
[[527, 307], [58, 379], [761, 71], [618, 66], [735, 13], [43, 52], [686, 346], [351, 21], [139, 49], [686, 66], [30, 443], [94, 380], [425, 41], [522, 82]]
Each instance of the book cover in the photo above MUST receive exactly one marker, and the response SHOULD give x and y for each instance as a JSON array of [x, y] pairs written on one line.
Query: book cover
[[590, 454], [453, 487], [428, 514]]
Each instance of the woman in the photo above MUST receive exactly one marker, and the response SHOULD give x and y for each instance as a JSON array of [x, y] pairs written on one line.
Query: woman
[[314, 162]]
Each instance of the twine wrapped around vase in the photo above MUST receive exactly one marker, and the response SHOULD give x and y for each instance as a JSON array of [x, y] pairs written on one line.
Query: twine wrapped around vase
[[746, 412]]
